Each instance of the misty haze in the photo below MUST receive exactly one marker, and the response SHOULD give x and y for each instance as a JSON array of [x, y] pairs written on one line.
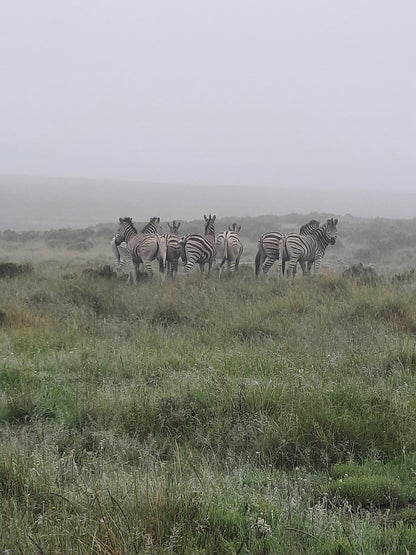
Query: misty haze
[[43, 203], [185, 108]]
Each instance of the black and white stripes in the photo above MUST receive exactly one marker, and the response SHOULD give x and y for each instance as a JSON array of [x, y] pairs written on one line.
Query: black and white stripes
[[199, 249], [133, 249], [307, 249], [268, 247], [143, 247], [229, 249]]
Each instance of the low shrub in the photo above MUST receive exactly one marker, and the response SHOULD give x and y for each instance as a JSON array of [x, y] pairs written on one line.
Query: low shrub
[[105, 272], [11, 270], [371, 484]]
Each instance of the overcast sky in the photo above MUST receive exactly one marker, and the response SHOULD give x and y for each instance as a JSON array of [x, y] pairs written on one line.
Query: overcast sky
[[307, 93]]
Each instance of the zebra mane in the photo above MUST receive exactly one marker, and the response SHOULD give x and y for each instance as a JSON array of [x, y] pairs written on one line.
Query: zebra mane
[[152, 224], [128, 221], [309, 227], [209, 224]]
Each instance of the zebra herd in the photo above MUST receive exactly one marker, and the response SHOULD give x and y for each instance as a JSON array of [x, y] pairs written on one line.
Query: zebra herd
[[133, 249]]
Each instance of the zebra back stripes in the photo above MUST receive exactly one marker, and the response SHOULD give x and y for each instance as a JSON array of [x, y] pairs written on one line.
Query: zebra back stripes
[[229, 249], [309, 248], [199, 249], [268, 247]]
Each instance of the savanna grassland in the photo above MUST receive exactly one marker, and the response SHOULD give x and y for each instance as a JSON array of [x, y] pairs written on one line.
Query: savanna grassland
[[207, 416]]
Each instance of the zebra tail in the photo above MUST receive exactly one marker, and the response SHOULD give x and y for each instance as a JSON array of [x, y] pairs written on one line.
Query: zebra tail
[[225, 255], [182, 251], [258, 259], [162, 250]]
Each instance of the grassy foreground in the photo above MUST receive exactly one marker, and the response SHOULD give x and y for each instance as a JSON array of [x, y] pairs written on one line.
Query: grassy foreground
[[207, 417]]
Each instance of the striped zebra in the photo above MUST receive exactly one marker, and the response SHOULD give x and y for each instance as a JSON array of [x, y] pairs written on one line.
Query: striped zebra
[[199, 249], [172, 249], [308, 249], [142, 248], [229, 249], [268, 247]]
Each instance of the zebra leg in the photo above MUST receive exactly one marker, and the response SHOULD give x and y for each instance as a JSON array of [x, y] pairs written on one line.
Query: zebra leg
[[134, 269], [148, 269], [174, 268], [318, 261], [187, 267], [162, 264], [268, 264], [291, 269]]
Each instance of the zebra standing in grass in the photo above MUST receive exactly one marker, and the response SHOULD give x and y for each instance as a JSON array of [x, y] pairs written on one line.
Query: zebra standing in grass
[[172, 249], [308, 249], [199, 249], [142, 247], [229, 249], [268, 247]]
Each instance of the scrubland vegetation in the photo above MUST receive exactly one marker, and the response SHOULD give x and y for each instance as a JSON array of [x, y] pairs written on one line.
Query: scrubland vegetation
[[232, 416]]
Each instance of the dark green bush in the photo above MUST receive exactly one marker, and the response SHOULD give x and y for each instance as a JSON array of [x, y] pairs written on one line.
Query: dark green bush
[[11, 270]]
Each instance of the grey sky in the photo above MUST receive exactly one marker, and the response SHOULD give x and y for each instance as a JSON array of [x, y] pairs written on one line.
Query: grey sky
[[308, 93]]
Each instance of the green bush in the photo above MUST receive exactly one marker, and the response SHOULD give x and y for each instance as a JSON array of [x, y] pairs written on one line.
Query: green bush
[[11, 270]]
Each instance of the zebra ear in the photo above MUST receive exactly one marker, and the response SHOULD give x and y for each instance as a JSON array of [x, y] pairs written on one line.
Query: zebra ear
[[335, 221], [230, 228], [238, 228], [120, 220], [213, 218], [178, 225], [205, 218]]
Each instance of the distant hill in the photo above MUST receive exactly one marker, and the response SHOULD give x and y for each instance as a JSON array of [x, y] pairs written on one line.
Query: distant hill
[[46, 202]]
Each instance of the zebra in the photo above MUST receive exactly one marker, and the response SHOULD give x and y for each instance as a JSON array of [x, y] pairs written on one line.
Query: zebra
[[142, 247], [172, 249], [268, 247], [199, 249], [309, 248], [229, 249]]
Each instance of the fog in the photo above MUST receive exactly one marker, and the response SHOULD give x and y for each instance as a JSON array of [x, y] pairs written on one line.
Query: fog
[[309, 99], [45, 203]]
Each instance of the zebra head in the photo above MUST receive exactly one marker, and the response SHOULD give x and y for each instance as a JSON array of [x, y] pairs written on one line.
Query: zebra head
[[331, 230], [209, 225], [236, 228], [125, 230], [173, 229]]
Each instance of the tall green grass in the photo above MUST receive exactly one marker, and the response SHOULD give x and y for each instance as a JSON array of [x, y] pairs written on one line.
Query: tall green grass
[[206, 416]]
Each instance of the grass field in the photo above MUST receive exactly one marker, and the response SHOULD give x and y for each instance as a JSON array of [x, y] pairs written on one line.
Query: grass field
[[206, 417], [232, 416]]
